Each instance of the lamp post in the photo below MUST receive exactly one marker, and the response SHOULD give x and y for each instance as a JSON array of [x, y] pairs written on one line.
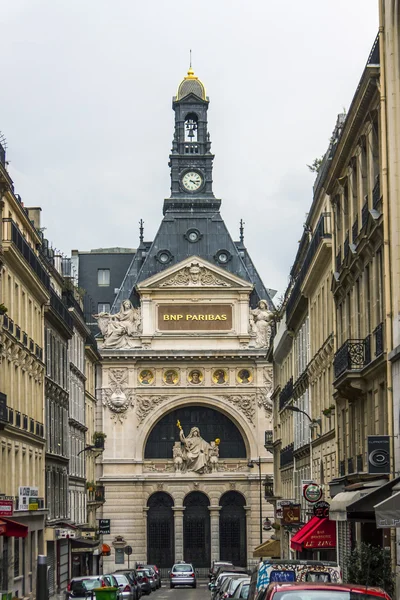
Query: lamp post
[[251, 464], [312, 423]]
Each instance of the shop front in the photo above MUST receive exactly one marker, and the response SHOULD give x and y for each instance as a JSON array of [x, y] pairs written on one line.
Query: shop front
[[83, 558], [316, 540]]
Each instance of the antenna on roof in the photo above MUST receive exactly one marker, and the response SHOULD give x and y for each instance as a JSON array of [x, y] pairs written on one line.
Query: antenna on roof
[[141, 222], [241, 231]]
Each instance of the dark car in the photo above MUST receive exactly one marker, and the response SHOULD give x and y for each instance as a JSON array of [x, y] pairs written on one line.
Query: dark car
[[216, 565], [82, 587], [132, 576], [229, 585], [157, 574], [215, 586]]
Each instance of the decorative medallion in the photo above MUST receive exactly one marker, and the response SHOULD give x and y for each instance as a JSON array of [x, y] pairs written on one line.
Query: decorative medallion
[[220, 376], [118, 397], [146, 377], [195, 377], [194, 275], [171, 377], [245, 376]]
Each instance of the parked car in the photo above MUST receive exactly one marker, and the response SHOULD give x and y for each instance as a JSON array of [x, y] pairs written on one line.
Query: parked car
[[216, 566], [145, 581], [242, 590], [82, 587], [132, 576], [182, 574], [157, 574], [125, 586], [229, 585], [215, 586], [322, 591]]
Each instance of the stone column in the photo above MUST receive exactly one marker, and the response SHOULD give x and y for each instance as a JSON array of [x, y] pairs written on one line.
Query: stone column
[[178, 524], [214, 530]]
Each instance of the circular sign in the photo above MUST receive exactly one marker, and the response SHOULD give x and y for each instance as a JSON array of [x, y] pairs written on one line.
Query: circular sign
[[128, 550], [321, 510], [312, 492], [379, 458], [267, 525]]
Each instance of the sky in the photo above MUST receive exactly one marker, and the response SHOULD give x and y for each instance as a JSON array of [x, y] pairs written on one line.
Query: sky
[[86, 109]]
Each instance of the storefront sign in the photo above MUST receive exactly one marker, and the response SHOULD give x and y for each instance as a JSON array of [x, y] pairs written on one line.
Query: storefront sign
[[312, 492], [28, 498], [6, 508], [291, 514], [105, 526], [279, 506], [187, 317], [379, 454], [33, 504], [321, 510], [322, 537]]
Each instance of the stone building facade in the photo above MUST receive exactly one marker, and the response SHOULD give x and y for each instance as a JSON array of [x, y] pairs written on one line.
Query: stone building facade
[[184, 385]]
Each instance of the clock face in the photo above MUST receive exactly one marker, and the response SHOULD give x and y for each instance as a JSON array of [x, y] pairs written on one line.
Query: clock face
[[192, 181]]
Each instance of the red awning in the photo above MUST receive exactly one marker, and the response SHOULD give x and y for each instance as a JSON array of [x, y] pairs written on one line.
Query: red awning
[[11, 528], [316, 534]]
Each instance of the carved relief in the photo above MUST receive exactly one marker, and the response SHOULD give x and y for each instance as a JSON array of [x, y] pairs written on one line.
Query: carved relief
[[119, 329], [118, 397], [194, 275], [245, 403], [145, 404], [260, 325], [264, 393]]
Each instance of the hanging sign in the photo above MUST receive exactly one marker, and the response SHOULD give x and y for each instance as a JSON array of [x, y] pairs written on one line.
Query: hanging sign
[[321, 510], [312, 492], [291, 514], [105, 526], [6, 508]]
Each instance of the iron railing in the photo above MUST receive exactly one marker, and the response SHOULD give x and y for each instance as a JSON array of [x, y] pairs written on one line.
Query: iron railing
[[286, 393], [364, 213], [60, 309], [346, 246], [354, 230], [14, 235], [286, 456], [338, 260], [353, 355], [376, 193]]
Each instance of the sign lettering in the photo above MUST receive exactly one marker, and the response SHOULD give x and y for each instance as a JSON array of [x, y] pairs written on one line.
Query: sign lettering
[[186, 317]]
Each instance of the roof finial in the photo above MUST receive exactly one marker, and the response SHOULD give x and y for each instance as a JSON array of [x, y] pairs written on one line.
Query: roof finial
[[190, 59], [141, 222], [241, 231]]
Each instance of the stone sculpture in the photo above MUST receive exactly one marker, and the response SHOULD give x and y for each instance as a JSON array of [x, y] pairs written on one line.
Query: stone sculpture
[[119, 329], [118, 396], [196, 452], [214, 456], [260, 324], [178, 457]]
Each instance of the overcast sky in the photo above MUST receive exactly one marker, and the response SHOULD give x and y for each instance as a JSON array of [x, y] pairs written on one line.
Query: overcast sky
[[85, 106]]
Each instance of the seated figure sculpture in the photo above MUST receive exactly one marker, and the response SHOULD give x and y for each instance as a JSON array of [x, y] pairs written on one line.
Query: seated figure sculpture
[[119, 329]]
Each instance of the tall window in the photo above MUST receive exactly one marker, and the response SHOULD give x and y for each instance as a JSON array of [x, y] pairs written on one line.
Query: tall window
[[103, 277]]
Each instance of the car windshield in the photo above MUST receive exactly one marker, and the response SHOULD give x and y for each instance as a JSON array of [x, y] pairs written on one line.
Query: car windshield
[[244, 592], [85, 584], [327, 594], [183, 568]]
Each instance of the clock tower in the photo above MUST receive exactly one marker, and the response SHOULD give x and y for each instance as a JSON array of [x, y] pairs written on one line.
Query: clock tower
[[191, 160]]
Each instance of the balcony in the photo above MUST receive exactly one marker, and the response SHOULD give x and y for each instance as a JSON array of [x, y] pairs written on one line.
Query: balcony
[[378, 338], [286, 457], [286, 394], [96, 493], [61, 310], [364, 213], [3, 410], [98, 440], [11, 233], [353, 355], [269, 439], [354, 231], [376, 193], [339, 260], [322, 231]]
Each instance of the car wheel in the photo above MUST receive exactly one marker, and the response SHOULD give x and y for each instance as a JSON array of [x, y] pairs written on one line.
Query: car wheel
[[194, 586], [171, 586]]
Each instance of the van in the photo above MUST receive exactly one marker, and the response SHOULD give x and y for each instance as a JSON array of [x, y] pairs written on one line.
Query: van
[[278, 570]]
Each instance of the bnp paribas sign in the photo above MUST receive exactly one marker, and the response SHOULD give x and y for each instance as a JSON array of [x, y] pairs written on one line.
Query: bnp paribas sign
[[186, 317]]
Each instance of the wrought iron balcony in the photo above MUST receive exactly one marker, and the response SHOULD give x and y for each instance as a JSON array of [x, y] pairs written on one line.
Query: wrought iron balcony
[[353, 355], [354, 230], [3, 410], [286, 393], [11, 233], [378, 335], [61, 309], [364, 213], [346, 246], [269, 439], [376, 194], [339, 260], [286, 457], [96, 494]]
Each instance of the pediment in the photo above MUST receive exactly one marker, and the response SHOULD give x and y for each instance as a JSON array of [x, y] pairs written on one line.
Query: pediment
[[195, 272]]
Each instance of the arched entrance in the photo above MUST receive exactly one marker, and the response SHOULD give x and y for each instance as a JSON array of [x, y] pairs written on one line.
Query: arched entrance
[[232, 528], [160, 530], [196, 530]]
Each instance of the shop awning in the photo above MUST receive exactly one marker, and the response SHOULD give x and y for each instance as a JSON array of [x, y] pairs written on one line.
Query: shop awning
[[339, 504], [317, 534], [270, 549], [82, 545], [387, 513], [10, 528], [362, 509]]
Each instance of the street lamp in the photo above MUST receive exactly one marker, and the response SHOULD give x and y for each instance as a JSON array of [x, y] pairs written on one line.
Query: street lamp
[[313, 423], [251, 464]]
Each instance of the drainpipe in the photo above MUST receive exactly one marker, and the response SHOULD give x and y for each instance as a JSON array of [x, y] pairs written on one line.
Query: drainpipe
[[386, 243]]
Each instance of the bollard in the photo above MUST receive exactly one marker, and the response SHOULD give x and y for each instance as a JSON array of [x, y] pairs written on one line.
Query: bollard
[[42, 592]]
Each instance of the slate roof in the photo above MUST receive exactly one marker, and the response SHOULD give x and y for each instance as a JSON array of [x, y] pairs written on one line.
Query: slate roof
[[171, 237]]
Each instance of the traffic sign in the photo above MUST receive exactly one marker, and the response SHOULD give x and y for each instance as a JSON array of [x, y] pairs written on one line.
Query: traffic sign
[[128, 550]]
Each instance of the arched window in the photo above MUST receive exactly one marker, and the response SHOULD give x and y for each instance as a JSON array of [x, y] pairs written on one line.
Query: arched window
[[212, 425]]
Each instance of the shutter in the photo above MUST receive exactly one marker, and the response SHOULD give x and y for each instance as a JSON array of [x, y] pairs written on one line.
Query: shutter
[[344, 545], [51, 567], [63, 553]]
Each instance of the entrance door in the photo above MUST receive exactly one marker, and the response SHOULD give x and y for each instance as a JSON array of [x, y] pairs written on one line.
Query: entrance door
[[160, 530], [232, 529], [196, 530]]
